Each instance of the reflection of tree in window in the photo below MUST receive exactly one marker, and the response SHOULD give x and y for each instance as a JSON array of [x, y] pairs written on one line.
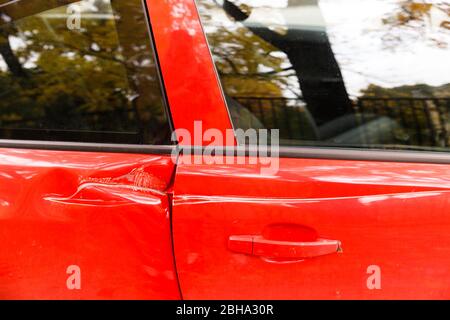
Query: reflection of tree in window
[[91, 79], [315, 79], [307, 54], [417, 18]]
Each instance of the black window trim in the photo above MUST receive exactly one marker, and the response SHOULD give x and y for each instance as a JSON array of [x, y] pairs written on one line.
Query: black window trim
[[332, 153], [158, 66], [285, 152], [86, 147], [365, 155]]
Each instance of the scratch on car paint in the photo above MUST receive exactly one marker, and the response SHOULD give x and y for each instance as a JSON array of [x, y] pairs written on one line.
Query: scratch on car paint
[[202, 199], [113, 195]]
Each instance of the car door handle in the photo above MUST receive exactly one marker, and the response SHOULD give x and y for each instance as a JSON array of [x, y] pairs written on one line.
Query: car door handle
[[259, 246]]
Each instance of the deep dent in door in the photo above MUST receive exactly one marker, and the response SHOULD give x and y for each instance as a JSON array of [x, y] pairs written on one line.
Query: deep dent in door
[[106, 214]]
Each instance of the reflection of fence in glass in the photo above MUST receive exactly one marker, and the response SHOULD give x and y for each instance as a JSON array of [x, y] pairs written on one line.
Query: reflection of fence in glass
[[375, 121], [425, 121]]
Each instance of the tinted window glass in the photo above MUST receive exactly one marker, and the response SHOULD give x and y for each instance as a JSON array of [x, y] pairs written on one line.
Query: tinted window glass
[[348, 73], [79, 71]]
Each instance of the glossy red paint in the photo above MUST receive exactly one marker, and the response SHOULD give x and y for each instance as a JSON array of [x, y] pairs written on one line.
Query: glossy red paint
[[106, 213], [392, 215], [109, 213], [187, 68]]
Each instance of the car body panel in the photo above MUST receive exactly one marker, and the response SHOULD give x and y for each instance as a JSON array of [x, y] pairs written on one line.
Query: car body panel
[[106, 214], [393, 216], [188, 72]]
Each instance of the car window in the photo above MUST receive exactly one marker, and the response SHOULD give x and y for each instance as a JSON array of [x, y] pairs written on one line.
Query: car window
[[339, 73], [80, 71]]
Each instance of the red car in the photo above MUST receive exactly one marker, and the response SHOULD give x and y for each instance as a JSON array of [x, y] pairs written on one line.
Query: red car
[[121, 176]]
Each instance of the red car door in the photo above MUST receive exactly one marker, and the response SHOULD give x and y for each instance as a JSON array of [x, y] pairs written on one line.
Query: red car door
[[104, 214], [85, 155], [358, 206], [388, 216]]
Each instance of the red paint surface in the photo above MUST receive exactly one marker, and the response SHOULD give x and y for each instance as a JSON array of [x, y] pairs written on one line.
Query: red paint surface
[[106, 213], [109, 213], [187, 68], [393, 215]]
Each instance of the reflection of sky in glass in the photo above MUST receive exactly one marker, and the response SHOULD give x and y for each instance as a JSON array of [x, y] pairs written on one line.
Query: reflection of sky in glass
[[355, 29], [266, 3]]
